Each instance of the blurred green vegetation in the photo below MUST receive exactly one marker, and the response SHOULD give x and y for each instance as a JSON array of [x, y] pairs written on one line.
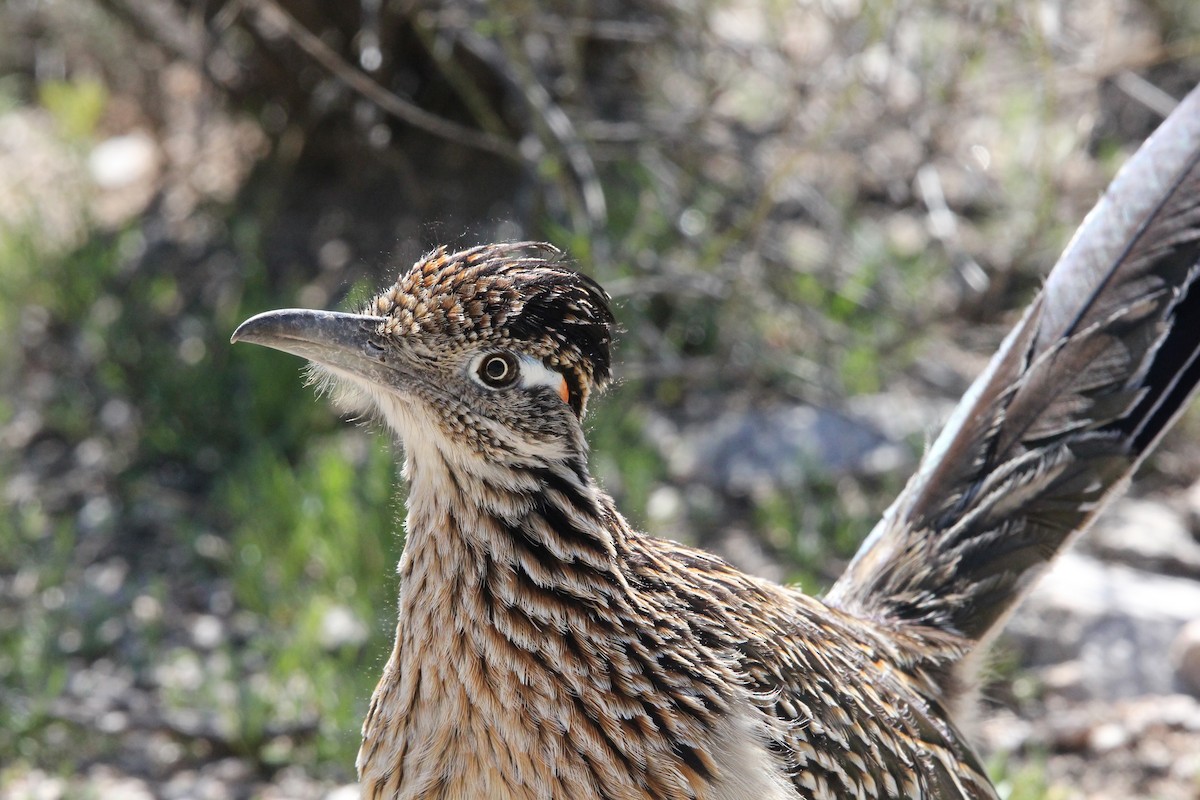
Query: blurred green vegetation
[[302, 523], [1025, 779], [77, 106]]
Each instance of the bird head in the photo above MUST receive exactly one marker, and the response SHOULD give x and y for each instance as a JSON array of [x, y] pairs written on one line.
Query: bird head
[[491, 351]]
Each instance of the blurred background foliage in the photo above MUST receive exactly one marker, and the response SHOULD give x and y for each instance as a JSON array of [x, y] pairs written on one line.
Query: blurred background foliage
[[816, 220]]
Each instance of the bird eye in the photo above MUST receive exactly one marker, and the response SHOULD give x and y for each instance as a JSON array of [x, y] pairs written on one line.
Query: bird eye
[[498, 370]]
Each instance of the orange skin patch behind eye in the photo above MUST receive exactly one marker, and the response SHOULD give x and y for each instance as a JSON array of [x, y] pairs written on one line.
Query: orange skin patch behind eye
[[563, 391]]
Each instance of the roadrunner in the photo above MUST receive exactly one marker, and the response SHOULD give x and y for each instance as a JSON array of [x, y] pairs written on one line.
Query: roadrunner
[[545, 649]]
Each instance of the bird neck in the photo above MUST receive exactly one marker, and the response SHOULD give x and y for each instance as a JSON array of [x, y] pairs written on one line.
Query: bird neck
[[496, 560], [527, 654], [473, 525]]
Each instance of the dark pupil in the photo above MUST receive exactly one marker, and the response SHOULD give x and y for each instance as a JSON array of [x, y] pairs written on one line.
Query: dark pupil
[[496, 369]]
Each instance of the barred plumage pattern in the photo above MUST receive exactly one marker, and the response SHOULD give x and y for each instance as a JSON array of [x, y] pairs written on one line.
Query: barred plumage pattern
[[547, 650]]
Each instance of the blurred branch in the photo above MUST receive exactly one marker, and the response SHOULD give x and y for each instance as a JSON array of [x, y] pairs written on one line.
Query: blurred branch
[[1146, 93], [183, 35], [271, 17], [555, 127], [454, 73]]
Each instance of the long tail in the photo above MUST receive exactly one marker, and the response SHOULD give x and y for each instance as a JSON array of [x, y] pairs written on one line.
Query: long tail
[[1082, 389]]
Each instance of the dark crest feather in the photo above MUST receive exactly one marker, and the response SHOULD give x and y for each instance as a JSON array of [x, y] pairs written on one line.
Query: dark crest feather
[[518, 291]]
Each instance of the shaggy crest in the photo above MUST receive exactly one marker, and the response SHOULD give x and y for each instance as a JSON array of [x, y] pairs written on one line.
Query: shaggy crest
[[505, 294]]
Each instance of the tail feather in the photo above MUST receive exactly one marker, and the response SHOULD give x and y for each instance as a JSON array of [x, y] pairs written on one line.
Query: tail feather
[[1102, 363]]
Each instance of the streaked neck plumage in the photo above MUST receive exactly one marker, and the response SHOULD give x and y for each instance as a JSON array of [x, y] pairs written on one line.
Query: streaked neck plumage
[[482, 524], [521, 667], [494, 561]]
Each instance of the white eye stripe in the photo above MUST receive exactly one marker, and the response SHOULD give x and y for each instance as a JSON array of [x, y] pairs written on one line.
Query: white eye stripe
[[535, 373], [531, 371]]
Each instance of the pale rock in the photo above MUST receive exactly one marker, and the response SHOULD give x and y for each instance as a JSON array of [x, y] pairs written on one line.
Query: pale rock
[[1118, 622], [1185, 655]]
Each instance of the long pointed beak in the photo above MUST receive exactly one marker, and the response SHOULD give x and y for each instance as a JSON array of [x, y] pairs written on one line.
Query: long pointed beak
[[328, 338]]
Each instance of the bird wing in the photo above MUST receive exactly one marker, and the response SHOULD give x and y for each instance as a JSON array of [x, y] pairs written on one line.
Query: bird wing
[[845, 709], [855, 723]]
